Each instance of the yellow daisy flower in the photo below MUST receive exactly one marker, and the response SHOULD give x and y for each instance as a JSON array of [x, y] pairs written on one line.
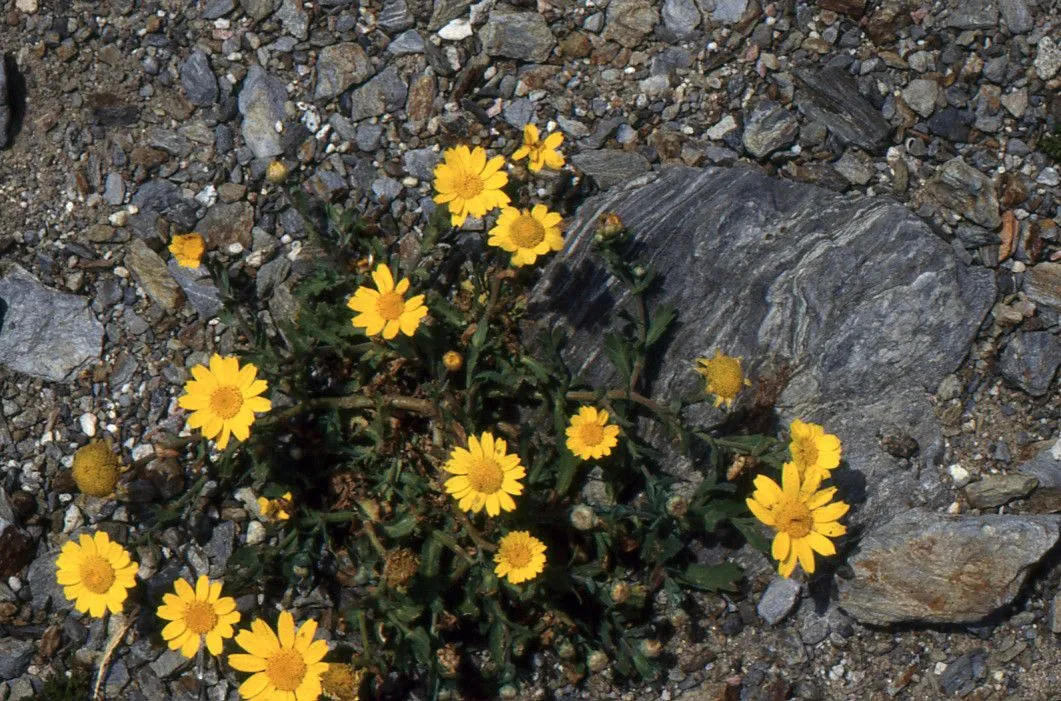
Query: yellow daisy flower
[[801, 515], [385, 309], [724, 377], [590, 436], [814, 451], [541, 153], [224, 398], [527, 233], [195, 614], [285, 665], [95, 574], [486, 475], [470, 184], [520, 556], [275, 509], [188, 249]]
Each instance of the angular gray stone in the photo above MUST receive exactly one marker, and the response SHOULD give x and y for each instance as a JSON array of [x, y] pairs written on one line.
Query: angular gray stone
[[114, 189], [855, 166], [218, 8], [168, 663], [927, 567], [1045, 466], [769, 127], [921, 95], [763, 268], [830, 97], [628, 21], [1030, 361], [420, 163], [226, 223], [395, 16], [729, 11], [15, 656], [965, 190], [778, 600], [1047, 58], [681, 16], [294, 18], [446, 10], [1018, 18], [261, 102], [384, 93], [198, 79], [408, 42], [995, 490], [1042, 284], [338, 67], [974, 14], [610, 166], [258, 9], [198, 288], [45, 333], [520, 35], [151, 273]]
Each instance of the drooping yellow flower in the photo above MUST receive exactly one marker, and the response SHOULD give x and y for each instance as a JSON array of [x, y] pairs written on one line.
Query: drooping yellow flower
[[589, 435], [724, 377], [95, 574], [188, 249], [470, 184], [520, 556], [801, 515], [541, 153], [285, 665], [485, 475], [275, 509], [197, 614], [342, 682], [224, 398], [527, 233], [385, 309], [814, 451], [95, 469]]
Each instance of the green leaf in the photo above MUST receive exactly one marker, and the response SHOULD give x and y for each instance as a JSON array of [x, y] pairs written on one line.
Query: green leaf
[[420, 643], [498, 641], [753, 533], [565, 474], [720, 510], [715, 578], [400, 528], [617, 352], [430, 556], [664, 317], [407, 613]]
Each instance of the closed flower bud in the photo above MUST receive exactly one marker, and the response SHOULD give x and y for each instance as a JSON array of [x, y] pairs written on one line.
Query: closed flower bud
[[95, 469], [452, 361], [596, 661], [583, 518], [650, 648], [277, 172], [677, 506], [620, 592], [609, 227]]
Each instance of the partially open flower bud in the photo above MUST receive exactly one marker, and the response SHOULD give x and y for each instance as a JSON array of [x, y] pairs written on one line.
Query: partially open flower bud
[[650, 648], [596, 661], [583, 518], [677, 506], [95, 469], [620, 592], [609, 227], [277, 172], [449, 660], [565, 649], [452, 361]]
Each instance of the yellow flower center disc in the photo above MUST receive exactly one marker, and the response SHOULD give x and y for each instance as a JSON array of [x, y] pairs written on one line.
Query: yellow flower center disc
[[527, 232], [390, 306], [725, 377], [469, 186], [97, 575], [591, 433], [200, 617], [286, 669], [794, 518], [518, 554], [485, 475], [226, 401], [805, 452]]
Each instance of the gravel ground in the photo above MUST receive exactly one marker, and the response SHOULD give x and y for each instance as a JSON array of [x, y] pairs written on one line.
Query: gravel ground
[[131, 121]]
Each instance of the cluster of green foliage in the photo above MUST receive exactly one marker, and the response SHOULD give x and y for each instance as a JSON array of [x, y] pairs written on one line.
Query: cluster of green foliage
[[1050, 144]]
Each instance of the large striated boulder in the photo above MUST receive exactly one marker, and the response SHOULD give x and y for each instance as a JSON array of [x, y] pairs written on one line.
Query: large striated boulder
[[927, 567], [866, 306]]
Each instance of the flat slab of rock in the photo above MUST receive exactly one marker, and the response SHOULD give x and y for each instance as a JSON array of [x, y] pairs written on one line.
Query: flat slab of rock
[[928, 567], [261, 102], [45, 333], [996, 490], [520, 35], [865, 304], [831, 97], [610, 167]]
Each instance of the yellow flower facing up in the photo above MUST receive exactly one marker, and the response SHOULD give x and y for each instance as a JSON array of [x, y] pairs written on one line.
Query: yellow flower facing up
[[285, 665], [590, 436], [275, 509], [541, 153], [95, 574], [801, 515], [527, 233], [385, 309], [520, 556], [470, 184], [724, 377], [197, 614], [188, 249], [224, 398], [342, 682], [814, 451], [485, 475]]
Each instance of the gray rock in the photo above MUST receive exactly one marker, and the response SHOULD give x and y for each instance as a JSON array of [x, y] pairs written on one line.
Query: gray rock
[[927, 567], [168, 663], [151, 273], [198, 79], [951, 123], [338, 67], [386, 189], [520, 35], [830, 97], [45, 333], [218, 8], [158, 196], [42, 584], [5, 104], [367, 136], [116, 680], [408, 42], [963, 674], [198, 288], [446, 10], [270, 275], [1018, 18], [17, 549], [855, 166], [384, 93], [261, 102], [1016, 102], [628, 21], [519, 112], [219, 548], [995, 490], [965, 190], [226, 223], [1045, 466], [15, 656], [294, 18], [395, 16], [1042, 284], [761, 268], [610, 166], [768, 128], [778, 600], [1030, 361], [1047, 58], [114, 189], [681, 17], [921, 96], [420, 162], [1055, 614], [974, 14], [258, 9], [729, 11]]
